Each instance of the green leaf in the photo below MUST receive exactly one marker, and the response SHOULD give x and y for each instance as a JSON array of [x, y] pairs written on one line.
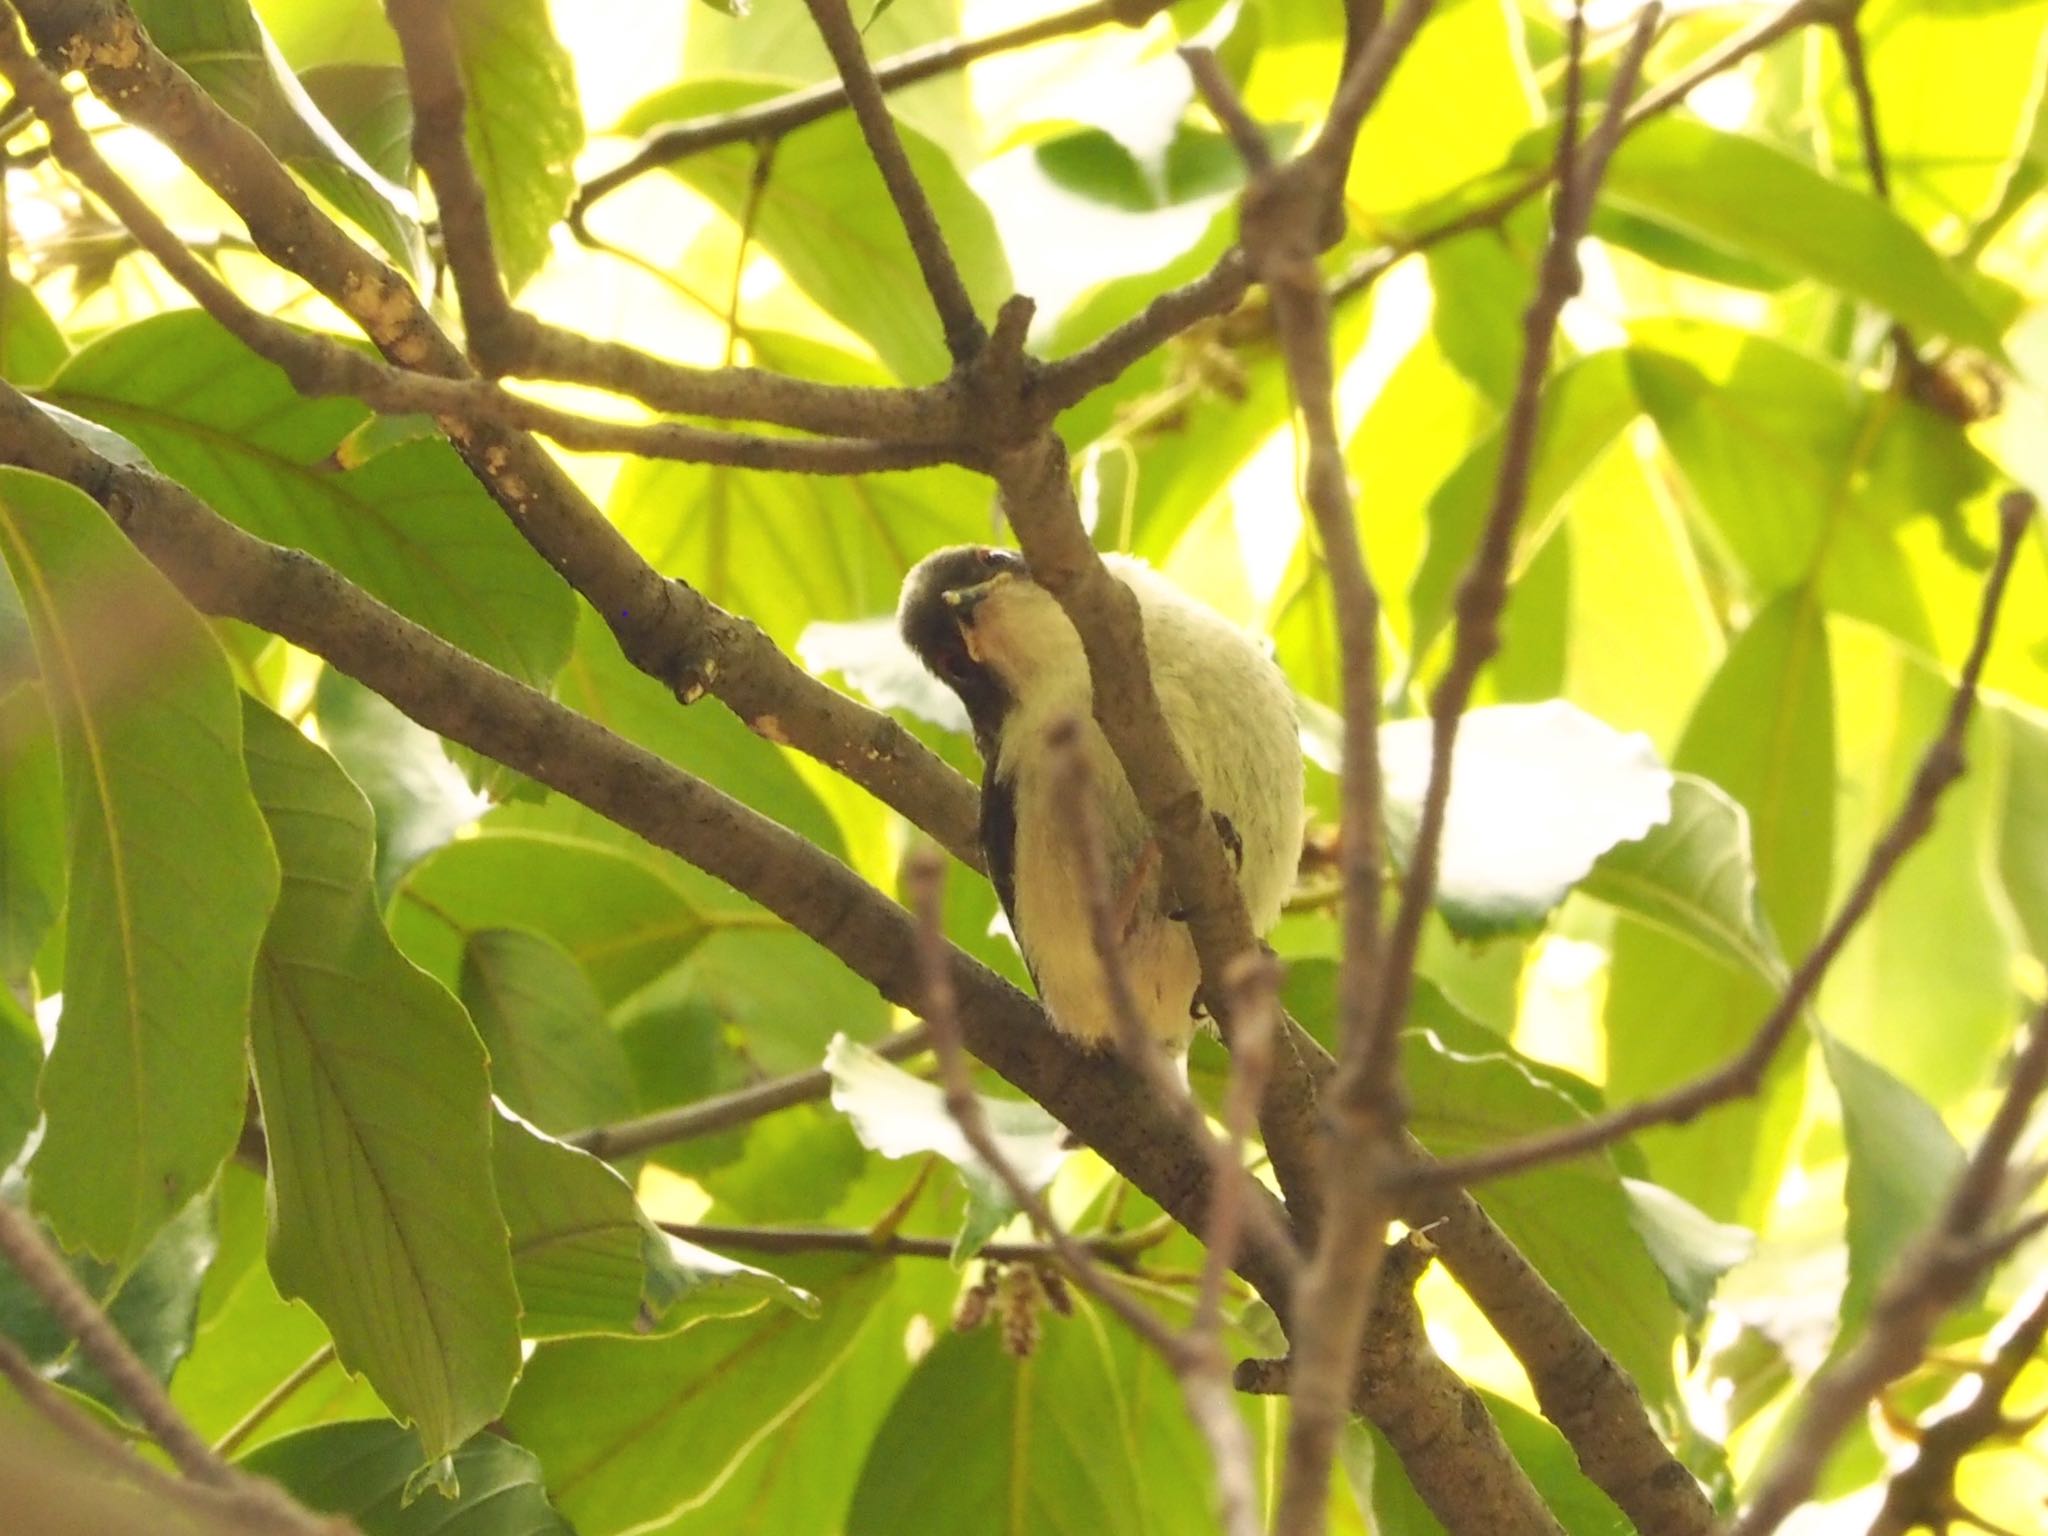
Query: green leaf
[[31, 346], [1762, 203], [412, 526], [1422, 139], [370, 105], [1902, 1164], [898, 1115], [797, 1481], [154, 1303], [1765, 437], [1573, 1499], [618, 919], [554, 1059], [376, 1111], [589, 1261], [828, 221], [420, 798], [630, 1431], [1691, 1248], [790, 550], [2023, 824], [1538, 793], [363, 1471], [1585, 408], [1694, 876], [21, 1063], [1764, 732], [978, 1440], [31, 809], [224, 47], [251, 1340], [1925, 986], [1956, 85], [171, 877], [525, 126]]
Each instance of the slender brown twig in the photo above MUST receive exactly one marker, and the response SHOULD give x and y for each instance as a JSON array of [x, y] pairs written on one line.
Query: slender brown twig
[[924, 878], [426, 37], [1196, 1360], [1933, 1275], [1282, 224], [1118, 1248], [726, 1111], [964, 330], [768, 121], [1923, 1492], [1482, 591], [1940, 767]]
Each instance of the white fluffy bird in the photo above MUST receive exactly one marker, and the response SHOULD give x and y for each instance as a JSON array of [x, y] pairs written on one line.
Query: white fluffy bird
[[1002, 643]]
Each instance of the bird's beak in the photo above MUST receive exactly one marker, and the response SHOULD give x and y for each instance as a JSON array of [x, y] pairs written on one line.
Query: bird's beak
[[964, 600]]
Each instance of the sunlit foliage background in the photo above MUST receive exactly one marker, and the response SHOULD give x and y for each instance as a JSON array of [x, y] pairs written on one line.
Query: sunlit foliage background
[[1744, 543]]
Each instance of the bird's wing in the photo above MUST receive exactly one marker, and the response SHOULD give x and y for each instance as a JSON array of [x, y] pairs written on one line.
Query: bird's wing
[[999, 845]]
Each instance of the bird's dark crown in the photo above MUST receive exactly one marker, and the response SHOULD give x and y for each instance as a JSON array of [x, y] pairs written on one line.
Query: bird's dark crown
[[930, 626]]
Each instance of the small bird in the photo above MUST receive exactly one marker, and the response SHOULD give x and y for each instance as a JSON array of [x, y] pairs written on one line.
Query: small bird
[[1000, 641]]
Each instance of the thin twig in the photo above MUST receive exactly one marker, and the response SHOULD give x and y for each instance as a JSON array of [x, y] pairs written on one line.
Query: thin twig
[[1849, 38], [1118, 1248], [769, 120], [1196, 1360], [963, 328], [726, 1111], [1933, 1275], [1482, 592], [924, 877], [1080, 792], [426, 37], [1923, 1493], [1655, 101], [1283, 223], [238, 1434], [1939, 767], [43, 1271]]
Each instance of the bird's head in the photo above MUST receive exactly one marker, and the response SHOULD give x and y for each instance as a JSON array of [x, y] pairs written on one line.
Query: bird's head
[[987, 631]]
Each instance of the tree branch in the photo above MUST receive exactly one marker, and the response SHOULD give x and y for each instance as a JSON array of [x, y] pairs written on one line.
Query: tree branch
[[433, 77], [1940, 767], [1284, 217], [964, 330], [665, 627]]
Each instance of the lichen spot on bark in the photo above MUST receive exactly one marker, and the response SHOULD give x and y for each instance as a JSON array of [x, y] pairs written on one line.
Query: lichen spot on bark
[[383, 309], [119, 48]]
